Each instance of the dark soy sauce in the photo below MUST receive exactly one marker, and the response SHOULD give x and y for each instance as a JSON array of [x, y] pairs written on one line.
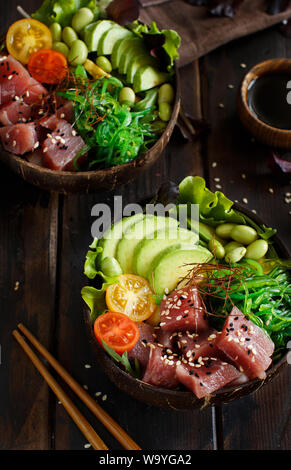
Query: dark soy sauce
[[267, 99]]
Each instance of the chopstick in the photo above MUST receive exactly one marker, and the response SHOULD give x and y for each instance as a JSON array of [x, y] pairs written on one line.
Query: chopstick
[[72, 410], [112, 426]]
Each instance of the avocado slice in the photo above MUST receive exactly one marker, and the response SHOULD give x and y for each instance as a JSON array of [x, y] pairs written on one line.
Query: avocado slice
[[172, 265], [120, 48], [144, 228], [112, 237], [139, 61], [148, 77], [133, 51], [110, 37], [93, 32], [148, 249]]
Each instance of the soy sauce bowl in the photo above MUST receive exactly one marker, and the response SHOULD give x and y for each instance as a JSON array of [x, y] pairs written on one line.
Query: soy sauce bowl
[[263, 132]]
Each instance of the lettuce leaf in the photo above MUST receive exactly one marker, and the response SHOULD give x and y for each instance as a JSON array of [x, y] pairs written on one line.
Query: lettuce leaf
[[215, 208], [62, 11], [95, 298], [163, 44]]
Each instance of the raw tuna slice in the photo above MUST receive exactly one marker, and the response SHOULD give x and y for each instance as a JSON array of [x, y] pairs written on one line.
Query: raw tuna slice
[[246, 345], [20, 138], [16, 83], [141, 350], [198, 345], [165, 338], [207, 378], [61, 146], [161, 369], [14, 112], [66, 112], [183, 310]]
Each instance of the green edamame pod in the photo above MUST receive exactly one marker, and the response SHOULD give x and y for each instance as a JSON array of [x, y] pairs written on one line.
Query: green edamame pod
[[61, 47], [78, 53], [165, 111], [243, 234], [231, 246], [224, 230], [216, 248], [234, 256], [110, 267], [166, 94], [257, 249], [82, 18], [56, 31], [69, 36], [104, 63], [127, 96]]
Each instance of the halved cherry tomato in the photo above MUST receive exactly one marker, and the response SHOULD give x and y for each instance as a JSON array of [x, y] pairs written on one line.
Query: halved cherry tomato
[[27, 36], [48, 66], [117, 331], [133, 296]]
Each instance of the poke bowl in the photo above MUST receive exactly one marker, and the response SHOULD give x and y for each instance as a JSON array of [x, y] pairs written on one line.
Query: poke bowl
[[147, 386], [69, 125]]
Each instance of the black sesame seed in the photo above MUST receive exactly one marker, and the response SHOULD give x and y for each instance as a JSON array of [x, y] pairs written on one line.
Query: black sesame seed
[[191, 372]]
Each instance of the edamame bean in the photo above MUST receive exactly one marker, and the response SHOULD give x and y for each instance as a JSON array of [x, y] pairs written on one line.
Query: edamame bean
[[234, 256], [257, 249], [166, 94], [104, 63], [82, 18], [61, 47], [110, 267], [165, 111], [243, 234], [231, 246], [69, 36], [224, 230], [216, 248], [127, 96], [56, 31], [78, 53]]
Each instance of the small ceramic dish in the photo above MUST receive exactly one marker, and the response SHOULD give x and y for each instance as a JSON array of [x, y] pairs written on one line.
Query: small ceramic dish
[[263, 132]]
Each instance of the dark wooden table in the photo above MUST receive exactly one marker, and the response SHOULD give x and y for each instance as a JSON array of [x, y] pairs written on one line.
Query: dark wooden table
[[43, 241]]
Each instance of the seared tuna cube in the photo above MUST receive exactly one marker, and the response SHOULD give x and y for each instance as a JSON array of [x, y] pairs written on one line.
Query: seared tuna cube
[[196, 345], [206, 379], [141, 350], [184, 310], [20, 138], [161, 369], [247, 345]]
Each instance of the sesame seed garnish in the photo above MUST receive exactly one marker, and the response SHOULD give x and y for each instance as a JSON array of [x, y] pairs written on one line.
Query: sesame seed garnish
[[244, 200], [87, 446], [214, 164], [14, 143], [87, 366], [243, 65], [221, 105], [104, 398], [271, 190], [10, 77], [45, 150], [85, 387], [97, 394]]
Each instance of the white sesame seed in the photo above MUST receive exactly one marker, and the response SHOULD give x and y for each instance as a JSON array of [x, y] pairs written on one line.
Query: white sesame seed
[[221, 105], [10, 77], [243, 175], [14, 143], [104, 398], [62, 116], [87, 366], [218, 186], [87, 446], [271, 190], [36, 145], [45, 150], [244, 199], [97, 394], [230, 86], [243, 66], [214, 165], [85, 387]]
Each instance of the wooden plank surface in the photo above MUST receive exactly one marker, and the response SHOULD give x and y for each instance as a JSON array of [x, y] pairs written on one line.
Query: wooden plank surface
[[43, 241], [242, 170]]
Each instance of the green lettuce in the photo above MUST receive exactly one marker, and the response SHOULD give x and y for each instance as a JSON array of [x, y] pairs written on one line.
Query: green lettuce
[[95, 298], [62, 11]]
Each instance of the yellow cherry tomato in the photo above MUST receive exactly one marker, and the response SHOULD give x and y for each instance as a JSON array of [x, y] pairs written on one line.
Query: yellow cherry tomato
[[27, 36], [132, 296]]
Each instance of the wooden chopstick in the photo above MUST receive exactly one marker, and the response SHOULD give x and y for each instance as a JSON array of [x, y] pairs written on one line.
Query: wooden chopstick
[[72, 410], [120, 435]]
